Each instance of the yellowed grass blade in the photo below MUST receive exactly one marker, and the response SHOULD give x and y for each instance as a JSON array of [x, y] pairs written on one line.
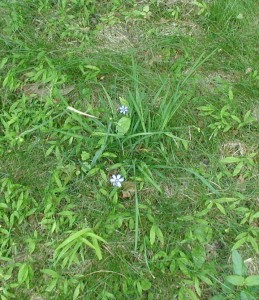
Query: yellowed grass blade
[[80, 112]]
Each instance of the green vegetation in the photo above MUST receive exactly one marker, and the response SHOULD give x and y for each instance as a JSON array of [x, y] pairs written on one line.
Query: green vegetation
[[129, 149]]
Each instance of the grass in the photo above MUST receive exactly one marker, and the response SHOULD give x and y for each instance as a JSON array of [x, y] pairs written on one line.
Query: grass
[[184, 224]]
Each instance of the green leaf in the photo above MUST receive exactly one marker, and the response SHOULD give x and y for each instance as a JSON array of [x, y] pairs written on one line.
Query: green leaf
[[238, 168], [114, 167], [3, 62], [208, 108], [230, 160], [236, 119], [255, 216], [95, 236], [253, 242], [50, 272], [198, 255], [52, 285], [73, 237], [76, 292], [124, 102], [245, 296], [252, 280], [230, 95], [72, 256], [85, 155], [239, 243], [109, 154], [97, 248], [241, 235], [91, 67], [50, 150], [238, 264], [247, 115], [160, 235], [152, 234], [58, 181], [123, 125], [3, 206], [197, 286], [23, 273], [146, 8], [205, 279], [227, 128], [93, 171], [191, 294], [221, 208], [58, 255], [236, 280], [225, 200], [139, 288], [185, 144], [182, 265], [146, 284]]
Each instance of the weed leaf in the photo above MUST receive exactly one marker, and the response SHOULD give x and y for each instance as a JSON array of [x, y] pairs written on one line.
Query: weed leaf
[[123, 125], [238, 264], [236, 280], [252, 280]]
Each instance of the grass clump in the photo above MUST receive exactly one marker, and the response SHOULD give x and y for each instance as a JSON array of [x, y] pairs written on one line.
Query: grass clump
[[129, 150]]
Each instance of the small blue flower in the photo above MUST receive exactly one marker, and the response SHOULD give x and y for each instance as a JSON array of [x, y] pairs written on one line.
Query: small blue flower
[[116, 180], [123, 110]]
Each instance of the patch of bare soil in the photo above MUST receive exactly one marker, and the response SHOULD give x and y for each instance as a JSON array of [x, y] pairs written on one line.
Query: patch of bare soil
[[115, 37], [178, 28]]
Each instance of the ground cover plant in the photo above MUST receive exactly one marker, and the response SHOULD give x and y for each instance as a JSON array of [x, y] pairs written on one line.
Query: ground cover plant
[[129, 149]]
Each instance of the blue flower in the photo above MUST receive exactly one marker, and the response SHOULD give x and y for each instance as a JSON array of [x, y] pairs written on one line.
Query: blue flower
[[123, 110], [116, 180]]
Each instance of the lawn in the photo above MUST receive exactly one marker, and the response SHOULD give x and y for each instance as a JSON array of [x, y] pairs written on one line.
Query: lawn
[[129, 149]]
